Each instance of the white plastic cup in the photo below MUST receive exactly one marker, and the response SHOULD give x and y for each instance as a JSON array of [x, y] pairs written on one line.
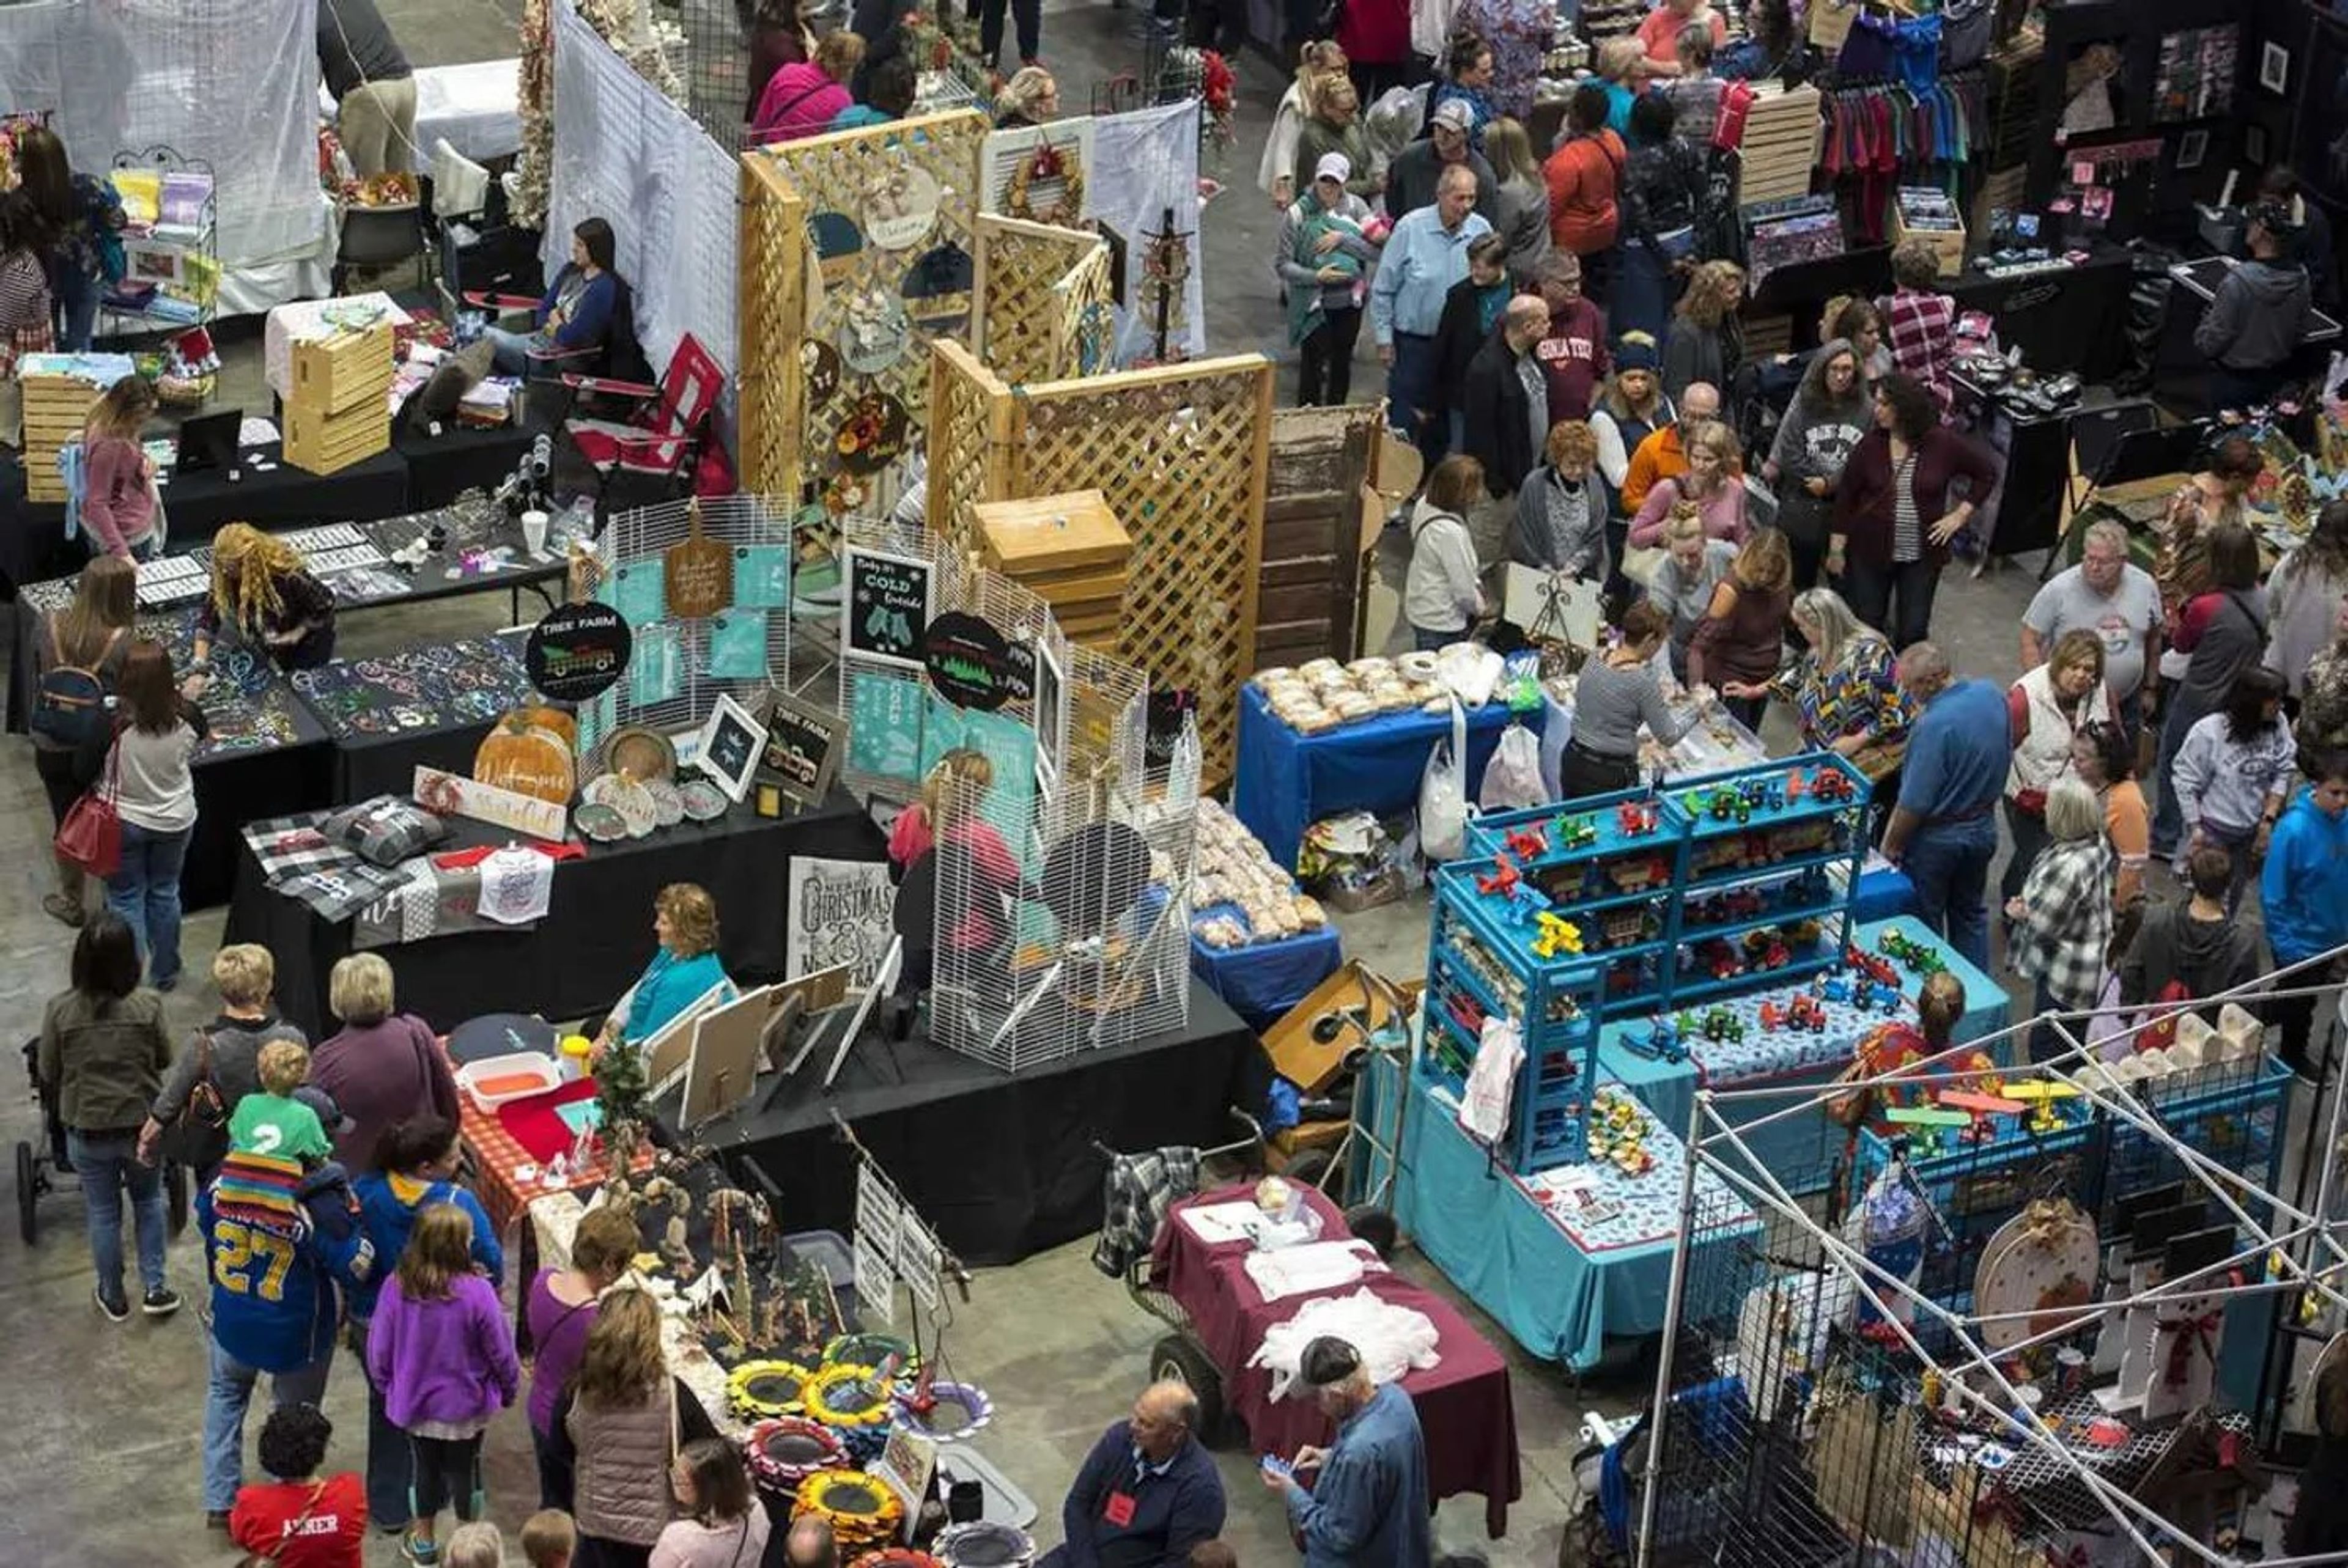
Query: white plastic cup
[[533, 531]]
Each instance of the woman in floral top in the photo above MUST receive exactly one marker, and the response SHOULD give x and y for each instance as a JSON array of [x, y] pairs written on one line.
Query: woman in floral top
[[1520, 33], [1844, 693], [2323, 725]]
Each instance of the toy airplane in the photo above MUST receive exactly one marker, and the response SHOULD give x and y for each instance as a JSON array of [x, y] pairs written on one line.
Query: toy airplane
[[2040, 1089], [1503, 880], [1927, 1116], [1529, 842], [1557, 935], [1981, 1104]]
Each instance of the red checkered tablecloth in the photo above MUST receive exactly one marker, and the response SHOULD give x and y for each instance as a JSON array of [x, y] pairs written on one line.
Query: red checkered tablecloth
[[499, 1162]]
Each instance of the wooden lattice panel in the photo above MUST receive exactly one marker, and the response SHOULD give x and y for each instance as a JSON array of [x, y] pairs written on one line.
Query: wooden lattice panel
[[1084, 315], [825, 189], [970, 412], [1182, 452], [1024, 330], [773, 316]]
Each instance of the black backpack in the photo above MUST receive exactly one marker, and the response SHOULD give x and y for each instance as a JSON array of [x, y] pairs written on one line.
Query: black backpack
[[69, 702]]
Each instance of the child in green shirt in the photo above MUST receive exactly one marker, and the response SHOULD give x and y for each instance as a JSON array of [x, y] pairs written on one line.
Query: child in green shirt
[[271, 1121]]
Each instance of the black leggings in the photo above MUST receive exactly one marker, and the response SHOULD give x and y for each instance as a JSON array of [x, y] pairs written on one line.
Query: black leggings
[[1326, 373], [447, 1475], [58, 781]]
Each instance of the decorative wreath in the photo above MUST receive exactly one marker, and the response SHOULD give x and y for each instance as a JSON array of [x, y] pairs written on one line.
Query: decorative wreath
[[952, 1413], [786, 1451], [1048, 162], [848, 1396], [763, 1390], [984, 1544], [861, 1508]]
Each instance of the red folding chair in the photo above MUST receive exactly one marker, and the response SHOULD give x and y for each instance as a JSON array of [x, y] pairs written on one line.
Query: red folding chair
[[662, 442]]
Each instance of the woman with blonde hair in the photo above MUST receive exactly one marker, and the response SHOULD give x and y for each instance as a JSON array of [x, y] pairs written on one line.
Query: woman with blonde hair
[[1561, 521], [560, 1306], [2048, 708], [1030, 97], [120, 507], [615, 1425], [1520, 205], [1704, 340], [805, 97], [1332, 123], [1283, 171], [442, 1352], [1682, 584], [1743, 633], [2061, 918], [1844, 690], [91, 637], [1711, 485], [683, 968], [383, 1067], [264, 594]]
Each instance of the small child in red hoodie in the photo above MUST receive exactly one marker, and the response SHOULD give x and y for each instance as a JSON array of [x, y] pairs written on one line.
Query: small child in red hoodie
[[300, 1520]]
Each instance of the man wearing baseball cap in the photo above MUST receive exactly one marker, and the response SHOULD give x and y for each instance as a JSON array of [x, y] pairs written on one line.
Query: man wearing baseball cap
[[1367, 1506], [2258, 316], [1411, 176]]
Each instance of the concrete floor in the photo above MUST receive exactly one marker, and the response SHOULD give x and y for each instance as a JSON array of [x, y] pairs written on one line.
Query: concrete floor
[[102, 1450]]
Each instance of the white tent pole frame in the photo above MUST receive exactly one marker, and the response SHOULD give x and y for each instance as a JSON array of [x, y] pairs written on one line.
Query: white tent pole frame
[[1768, 1192], [1674, 1302]]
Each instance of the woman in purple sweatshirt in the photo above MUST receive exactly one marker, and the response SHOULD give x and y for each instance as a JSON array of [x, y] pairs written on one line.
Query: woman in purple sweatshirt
[[443, 1354]]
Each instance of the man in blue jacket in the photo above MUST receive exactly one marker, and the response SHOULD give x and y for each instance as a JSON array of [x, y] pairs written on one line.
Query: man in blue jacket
[[1368, 1506], [1941, 832], [1148, 1492], [276, 1244], [2303, 893]]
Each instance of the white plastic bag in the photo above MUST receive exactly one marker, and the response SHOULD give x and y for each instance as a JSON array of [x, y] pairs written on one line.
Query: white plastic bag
[[1443, 796], [1513, 778], [1471, 670]]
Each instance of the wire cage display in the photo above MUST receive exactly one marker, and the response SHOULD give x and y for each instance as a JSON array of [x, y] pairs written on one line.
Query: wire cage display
[[2039, 1343], [710, 654]]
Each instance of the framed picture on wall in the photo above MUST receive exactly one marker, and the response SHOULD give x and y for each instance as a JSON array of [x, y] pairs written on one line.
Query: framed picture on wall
[[2192, 148], [2274, 68]]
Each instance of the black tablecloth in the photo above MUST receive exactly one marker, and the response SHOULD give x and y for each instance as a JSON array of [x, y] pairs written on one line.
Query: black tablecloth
[[1001, 1165], [593, 941], [365, 766], [441, 467], [2073, 321]]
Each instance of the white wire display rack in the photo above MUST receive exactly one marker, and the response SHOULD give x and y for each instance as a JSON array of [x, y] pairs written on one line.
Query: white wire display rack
[[1782, 1432], [637, 538]]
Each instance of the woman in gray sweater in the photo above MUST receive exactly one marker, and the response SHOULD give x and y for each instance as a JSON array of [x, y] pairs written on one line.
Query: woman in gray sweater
[[1825, 421], [1612, 697]]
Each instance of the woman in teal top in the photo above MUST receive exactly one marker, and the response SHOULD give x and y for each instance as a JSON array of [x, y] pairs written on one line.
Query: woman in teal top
[[685, 919]]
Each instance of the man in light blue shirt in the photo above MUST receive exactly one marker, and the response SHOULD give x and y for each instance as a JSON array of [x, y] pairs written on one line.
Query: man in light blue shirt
[[1368, 1506], [1940, 831], [1423, 256]]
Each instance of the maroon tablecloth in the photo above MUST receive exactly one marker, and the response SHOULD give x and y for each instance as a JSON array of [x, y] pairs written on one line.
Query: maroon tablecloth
[[1464, 1408]]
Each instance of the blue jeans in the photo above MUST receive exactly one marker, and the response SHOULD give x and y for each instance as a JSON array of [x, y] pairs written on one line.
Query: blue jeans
[[1428, 641], [512, 354], [145, 893], [1949, 864], [1411, 394], [76, 293], [230, 1392], [2167, 820], [109, 1168]]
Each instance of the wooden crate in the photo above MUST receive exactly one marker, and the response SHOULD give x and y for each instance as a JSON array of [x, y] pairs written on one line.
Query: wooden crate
[[55, 409], [329, 443], [336, 373], [1782, 133], [1311, 568], [1949, 243], [1070, 551]]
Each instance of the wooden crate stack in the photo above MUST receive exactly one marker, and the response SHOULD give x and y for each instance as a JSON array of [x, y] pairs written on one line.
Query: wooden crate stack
[[339, 411], [57, 405], [1070, 551], [1782, 133]]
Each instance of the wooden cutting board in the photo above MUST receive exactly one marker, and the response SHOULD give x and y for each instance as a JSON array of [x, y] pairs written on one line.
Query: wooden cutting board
[[699, 572]]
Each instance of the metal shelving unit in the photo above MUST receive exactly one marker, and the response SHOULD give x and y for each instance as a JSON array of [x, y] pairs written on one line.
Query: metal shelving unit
[[185, 267]]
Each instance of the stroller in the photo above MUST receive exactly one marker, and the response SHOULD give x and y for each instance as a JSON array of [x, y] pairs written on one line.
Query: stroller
[[37, 1169]]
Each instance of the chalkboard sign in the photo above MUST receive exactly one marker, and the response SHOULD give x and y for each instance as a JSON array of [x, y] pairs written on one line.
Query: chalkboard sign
[[577, 652], [802, 748], [730, 744], [972, 665], [887, 606]]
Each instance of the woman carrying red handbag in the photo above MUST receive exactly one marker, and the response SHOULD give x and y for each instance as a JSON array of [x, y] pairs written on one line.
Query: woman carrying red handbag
[[154, 795]]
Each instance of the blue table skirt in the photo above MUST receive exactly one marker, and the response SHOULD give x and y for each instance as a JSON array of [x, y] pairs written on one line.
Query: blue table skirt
[[1883, 895], [1287, 781], [1798, 1149], [1493, 1240], [1264, 980]]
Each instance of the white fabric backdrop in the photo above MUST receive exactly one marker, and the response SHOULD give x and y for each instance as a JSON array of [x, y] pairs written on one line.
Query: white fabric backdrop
[[625, 153], [1142, 163], [229, 82]]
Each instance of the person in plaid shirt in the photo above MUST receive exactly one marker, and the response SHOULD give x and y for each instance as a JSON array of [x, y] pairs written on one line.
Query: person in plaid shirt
[[25, 304], [1923, 321], [2062, 917]]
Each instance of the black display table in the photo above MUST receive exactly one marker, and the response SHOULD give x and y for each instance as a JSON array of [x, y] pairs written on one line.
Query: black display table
[[594, 940], [2072, 321], [441, 468], [1001, 1165]]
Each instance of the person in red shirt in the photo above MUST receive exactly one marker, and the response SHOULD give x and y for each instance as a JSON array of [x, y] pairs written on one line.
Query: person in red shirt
[[1582, 175], [300, 1520], [1659, 35], [1573, 356]]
